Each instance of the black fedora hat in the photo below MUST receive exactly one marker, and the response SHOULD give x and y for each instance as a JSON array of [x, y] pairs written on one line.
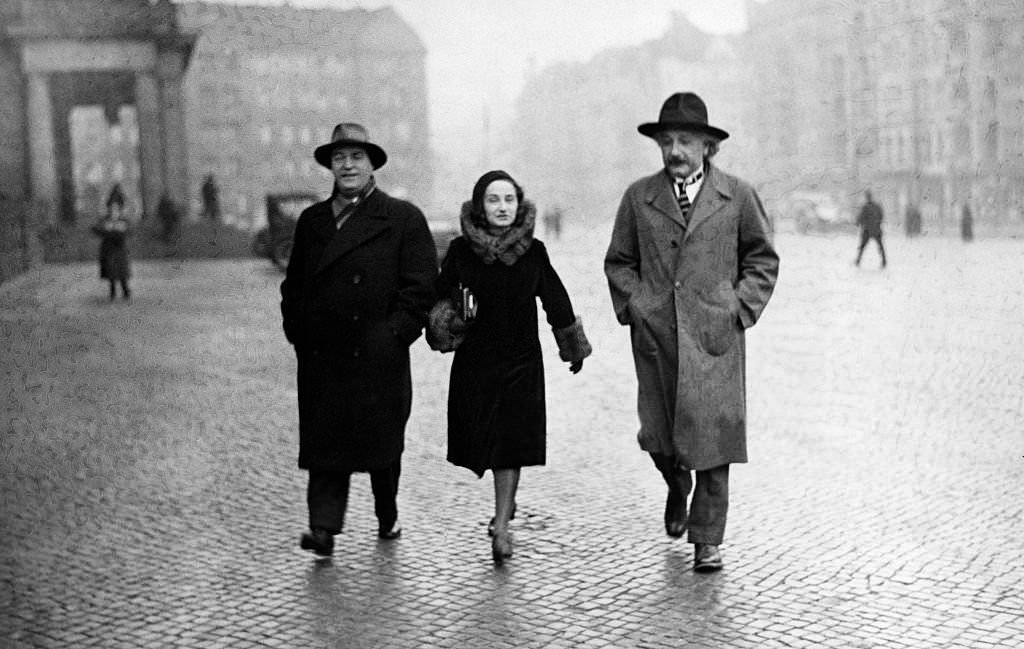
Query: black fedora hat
[[350, 134], [684, 111]]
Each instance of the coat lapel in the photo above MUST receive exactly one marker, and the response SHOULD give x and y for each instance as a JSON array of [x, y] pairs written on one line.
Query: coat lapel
[[662, 197], [713, 196], [365, 223]]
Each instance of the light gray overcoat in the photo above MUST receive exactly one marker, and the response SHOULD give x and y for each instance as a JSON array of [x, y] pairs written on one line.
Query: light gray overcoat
[[687, 294]]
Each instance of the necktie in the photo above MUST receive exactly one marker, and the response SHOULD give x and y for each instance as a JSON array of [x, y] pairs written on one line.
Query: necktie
[[684, 202]]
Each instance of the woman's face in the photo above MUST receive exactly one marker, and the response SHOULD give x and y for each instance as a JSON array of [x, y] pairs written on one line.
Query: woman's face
[[500, 203]]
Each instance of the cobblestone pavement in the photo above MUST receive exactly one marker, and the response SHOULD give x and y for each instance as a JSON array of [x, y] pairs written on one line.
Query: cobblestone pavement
[[151, 498]]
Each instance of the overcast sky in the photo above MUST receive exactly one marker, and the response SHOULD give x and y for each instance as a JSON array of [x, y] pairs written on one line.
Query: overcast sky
[[479, 51]]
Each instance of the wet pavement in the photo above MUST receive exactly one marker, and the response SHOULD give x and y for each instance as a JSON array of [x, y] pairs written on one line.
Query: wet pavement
[[151, 497]]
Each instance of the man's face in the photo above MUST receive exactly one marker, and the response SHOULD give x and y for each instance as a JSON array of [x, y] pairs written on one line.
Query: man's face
[[682, 152], [352, 169]]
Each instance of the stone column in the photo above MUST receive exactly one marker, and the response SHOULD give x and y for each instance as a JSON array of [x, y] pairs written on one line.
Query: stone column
[[175, 152], [151, 141], [42, 169]]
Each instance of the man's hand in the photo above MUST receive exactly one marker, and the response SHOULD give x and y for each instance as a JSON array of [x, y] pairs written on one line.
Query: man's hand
[[576, 366]]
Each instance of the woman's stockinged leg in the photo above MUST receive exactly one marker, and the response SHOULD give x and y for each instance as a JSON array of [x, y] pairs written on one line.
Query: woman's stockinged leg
[[506, 482]]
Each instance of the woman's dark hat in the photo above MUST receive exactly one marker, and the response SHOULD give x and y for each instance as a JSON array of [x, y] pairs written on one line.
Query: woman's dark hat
[[350, 134], [683, 111]]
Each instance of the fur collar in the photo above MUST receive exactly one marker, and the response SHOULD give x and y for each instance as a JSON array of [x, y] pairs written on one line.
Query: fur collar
[[506, 247]]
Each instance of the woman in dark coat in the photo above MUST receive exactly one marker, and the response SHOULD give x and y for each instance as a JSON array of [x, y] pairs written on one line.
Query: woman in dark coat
[[496, 412], [115, 266]]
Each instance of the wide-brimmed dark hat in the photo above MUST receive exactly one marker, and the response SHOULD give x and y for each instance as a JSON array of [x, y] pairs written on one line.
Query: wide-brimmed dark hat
[[350, 134], [683, 111]]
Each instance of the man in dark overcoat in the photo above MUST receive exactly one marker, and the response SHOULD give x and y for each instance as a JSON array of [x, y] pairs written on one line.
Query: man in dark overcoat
[[356, 293], [691, 266], [870, 221]]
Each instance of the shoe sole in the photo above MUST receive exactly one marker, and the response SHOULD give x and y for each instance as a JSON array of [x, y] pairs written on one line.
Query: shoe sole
[[707, 567]]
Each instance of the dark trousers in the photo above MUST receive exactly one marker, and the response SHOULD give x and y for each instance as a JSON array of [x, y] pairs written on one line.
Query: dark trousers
[[124, 288], [327, 497], [865, 236], [710, 502]]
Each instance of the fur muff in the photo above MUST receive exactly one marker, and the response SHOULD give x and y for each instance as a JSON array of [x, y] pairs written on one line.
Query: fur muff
[[445, 329]]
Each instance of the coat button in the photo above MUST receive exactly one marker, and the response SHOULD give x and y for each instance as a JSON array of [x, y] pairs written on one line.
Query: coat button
[[355, 318], [356, 279], [355, 353], [674, 243], [679, 285]]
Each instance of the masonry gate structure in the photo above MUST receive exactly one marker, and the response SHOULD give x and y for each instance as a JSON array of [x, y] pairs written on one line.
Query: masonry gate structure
[[55, 56]]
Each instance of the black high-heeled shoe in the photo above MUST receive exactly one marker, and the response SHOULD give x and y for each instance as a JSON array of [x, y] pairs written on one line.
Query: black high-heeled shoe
[[490, 526], [501, 547]]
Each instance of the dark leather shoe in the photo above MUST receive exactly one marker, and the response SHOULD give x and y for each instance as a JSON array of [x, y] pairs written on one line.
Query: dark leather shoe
[[320, 541], [675, 514], [706, 557], [391, 533]]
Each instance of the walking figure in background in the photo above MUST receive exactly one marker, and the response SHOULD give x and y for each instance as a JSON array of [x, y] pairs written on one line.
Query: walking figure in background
[[489, 284], [870, 221], [966, 224], [211, 198], [691, 266], [553, 222], [912, 224], [169, 215], [113, 229], [357, 289]]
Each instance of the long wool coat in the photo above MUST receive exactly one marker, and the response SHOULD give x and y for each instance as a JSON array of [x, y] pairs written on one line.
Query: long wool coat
[[687, 294], [113, 255], [353, 300], [496, 410]]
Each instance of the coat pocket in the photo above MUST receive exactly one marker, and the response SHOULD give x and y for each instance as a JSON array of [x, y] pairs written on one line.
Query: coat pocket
[[645, 303], [718, 323]]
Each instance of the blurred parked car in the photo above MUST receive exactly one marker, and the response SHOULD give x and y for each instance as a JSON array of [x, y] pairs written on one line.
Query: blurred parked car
[[275, 240], [444, 232], [816, 212]]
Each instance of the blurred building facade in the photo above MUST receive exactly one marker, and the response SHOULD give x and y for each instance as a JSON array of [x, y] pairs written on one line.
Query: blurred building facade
[[574, 142], [920, 102], [264, 89]]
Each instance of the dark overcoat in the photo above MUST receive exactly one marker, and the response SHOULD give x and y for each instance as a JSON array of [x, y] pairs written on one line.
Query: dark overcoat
[[870, 219], [496, 409], [113, 255], [687, 293], [353, 300]]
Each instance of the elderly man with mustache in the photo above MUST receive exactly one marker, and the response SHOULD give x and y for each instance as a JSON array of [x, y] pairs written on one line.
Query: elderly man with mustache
[[691, 266]]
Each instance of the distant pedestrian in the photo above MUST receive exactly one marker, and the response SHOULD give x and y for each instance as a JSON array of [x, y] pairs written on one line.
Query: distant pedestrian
[[113, 230], [491, 279], [211, 198], [690, 267], [357, 289], [966, 224], [553, 222], [912, 221], [870, 221], [169, 215]]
